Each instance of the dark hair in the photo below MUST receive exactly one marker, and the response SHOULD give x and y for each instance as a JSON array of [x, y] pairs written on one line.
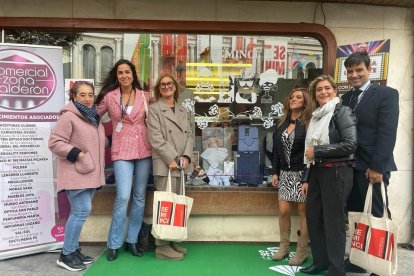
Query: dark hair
[[75, 87], [357, 58], [308, 107], [111, 81], [314, 83], [157, 92]]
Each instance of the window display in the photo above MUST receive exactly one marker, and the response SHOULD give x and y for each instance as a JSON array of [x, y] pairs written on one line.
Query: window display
[[234, 87]]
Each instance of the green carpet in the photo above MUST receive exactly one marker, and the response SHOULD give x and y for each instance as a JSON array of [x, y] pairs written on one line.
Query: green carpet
[[201, 260]]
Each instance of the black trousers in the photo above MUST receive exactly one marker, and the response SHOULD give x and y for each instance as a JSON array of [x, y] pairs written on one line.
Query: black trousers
[[328, 190], [356, 199]]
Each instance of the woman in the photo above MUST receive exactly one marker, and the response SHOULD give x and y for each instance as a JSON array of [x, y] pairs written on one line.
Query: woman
[[171, 139], [78, 140], [287, 168], [329, 147], [124, 100]]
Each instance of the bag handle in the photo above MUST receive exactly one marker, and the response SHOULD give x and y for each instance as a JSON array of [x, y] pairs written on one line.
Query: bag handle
[[368, 199], [169, 182]]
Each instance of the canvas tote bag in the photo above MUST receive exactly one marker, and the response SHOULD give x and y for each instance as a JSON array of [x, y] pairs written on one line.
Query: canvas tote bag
[[170, 213], [374, 240]]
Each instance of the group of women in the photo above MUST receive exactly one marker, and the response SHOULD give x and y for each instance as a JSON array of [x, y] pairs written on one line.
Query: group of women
[[313, 155], [160, 131], [312, 163]]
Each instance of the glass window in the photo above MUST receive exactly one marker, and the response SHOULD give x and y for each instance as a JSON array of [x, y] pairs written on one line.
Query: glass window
[[89, 62], [107, 60]]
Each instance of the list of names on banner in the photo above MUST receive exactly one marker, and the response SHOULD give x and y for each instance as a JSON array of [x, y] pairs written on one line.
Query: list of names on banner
[[25, 163]]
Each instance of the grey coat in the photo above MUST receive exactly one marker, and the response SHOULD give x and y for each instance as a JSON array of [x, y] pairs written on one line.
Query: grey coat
[[169, 134]]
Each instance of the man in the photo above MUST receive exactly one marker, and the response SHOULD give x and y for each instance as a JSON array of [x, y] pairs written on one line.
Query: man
[[376, 108]]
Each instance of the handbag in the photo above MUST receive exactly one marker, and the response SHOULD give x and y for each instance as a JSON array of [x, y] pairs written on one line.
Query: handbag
[[374, 240], [170, 213]]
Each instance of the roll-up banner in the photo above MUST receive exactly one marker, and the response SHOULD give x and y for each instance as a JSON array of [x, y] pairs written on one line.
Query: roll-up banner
[[31, 95]]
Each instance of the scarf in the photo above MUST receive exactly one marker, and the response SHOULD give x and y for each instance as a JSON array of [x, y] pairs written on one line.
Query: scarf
[[89, 113], [318, 130]]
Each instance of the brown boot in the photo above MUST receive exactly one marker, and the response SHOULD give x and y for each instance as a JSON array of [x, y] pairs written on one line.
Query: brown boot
[[302, 251], [165, 252], [283, 246], [178, 248]]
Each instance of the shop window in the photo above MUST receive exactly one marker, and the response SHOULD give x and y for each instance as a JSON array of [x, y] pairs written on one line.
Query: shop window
[[234, 86]]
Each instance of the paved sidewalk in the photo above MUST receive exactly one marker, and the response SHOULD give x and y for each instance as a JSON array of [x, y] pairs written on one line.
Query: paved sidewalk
[[45, 264]]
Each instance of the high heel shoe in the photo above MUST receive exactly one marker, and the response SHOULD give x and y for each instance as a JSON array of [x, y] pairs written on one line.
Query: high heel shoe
[[112, 254], [134, 249]]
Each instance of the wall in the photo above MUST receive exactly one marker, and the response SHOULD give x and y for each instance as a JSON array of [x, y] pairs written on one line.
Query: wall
[[349, 23]]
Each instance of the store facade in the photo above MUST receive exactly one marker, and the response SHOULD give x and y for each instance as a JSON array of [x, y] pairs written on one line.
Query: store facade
[[237, 67]]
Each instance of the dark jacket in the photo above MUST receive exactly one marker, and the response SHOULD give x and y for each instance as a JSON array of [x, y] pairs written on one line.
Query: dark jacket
[[279, 161], [342, 139], [377, 114]]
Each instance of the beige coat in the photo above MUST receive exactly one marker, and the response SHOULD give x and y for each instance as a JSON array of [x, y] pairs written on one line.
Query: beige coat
[[169, 134]]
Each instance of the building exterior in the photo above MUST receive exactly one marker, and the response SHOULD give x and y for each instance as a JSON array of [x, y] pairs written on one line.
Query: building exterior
[[347, 23]]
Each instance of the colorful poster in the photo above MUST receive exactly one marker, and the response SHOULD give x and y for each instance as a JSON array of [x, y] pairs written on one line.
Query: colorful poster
[[31, 95], [275, 57], [379, 53]]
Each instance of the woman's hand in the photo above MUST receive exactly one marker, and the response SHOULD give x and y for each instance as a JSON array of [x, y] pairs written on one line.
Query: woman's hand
[[373, 176], [184, 162], [81, 154], [309, 153], [304, 190], [172, 165], [275, 181]]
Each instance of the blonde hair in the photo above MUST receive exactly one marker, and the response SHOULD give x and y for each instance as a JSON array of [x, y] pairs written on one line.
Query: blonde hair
[[157, 92], [314, 83]]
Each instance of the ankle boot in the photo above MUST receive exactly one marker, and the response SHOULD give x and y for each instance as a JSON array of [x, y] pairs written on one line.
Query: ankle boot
[[302, 251], [165, 252], [178, 248], [134, 249], [283, 246]]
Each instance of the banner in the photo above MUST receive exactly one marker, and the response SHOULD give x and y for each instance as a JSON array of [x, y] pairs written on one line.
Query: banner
[[31, 95], [379, 54]]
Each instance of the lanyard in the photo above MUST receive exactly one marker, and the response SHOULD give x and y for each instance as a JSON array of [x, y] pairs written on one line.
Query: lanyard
[[123, 111]]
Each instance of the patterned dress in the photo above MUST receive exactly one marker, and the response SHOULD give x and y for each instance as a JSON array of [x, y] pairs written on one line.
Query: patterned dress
[[289, 181]]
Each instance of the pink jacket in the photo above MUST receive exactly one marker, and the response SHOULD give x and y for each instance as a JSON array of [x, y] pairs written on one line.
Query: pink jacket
[[132, 141], [73, 130]]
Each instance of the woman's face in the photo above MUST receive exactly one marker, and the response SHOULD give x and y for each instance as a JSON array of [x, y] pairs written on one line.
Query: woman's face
[[85, 95], [296, 101], [167, 87], [124, 75], [324, 92]]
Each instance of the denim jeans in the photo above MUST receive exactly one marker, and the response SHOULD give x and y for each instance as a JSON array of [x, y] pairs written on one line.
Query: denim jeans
[[81, 206], [124, 170]]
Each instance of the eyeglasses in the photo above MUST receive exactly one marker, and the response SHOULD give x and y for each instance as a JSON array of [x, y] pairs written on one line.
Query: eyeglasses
[[168, 84]]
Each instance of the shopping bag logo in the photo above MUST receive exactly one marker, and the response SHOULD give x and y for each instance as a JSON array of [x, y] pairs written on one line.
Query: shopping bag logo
[[165, 209], [180, 215], [381, 244], [359, 239]]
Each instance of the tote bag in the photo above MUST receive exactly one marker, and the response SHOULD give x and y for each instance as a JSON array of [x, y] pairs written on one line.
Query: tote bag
[[374, 240], [170, 213]]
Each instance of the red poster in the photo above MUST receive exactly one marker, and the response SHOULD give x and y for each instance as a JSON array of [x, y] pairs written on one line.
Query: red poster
[[180, 215], [360, 236], [378, 243], [164, 212]]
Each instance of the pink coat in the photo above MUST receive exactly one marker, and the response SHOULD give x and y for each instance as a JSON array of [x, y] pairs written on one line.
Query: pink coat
[[132, 141], [73, 130]]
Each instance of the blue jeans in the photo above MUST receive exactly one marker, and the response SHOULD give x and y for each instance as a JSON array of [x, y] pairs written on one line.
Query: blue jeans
[[81, 206], [124, 170]]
